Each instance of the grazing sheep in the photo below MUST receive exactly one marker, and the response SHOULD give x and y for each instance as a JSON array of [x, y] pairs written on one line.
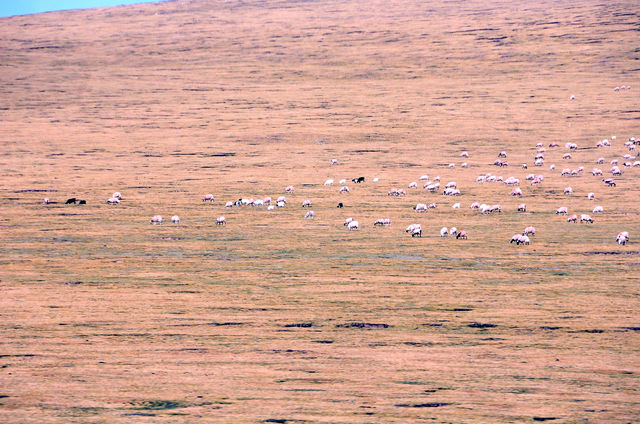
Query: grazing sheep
[[599, 161], [70, 201], [382, 222], [82, 202], [46, 201], [281, 199], [358, 180], [444, 232], [156, 219], [208, 198], [340, 205], [552, 167], [462, 235], [412, 227], [436, 179], [538, 162], [432, 206], [568, 191], [328, 182], [598, 209], [502, 154], [347, 221], [566, 156], [342, 181], [289, 189], [417, 232], [562, 211], [451, 165], [522, 207], [596, 171], [266, 200], [455, 206], [270, 207], [281, 204], [516, 192], [464, 154], [228, 205], [475, 205], [572, 218], [353, 225], [524, 166], [258, 202], [609, 181], [175, 219], [451, 184], [453, 230], [306, 203], [622, 238], [413, 184], [420, 207], [344, 189], [309, 215], [375, 180], [585, 218], [113, 201], [117, 195], [424, 177], [334, 161], [591, 196], [221, 220], [530, 230]]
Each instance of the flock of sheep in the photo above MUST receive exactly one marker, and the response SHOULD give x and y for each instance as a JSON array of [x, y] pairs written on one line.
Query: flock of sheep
[[451, 189]]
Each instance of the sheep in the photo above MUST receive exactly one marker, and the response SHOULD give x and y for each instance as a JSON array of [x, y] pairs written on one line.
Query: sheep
[[524, 166], [417, 232], [70, 201], [596, 171], [565, 171], [401, 192], [568, 191], [413, 184], [175, 219], [562, 211], [554, 144], [208, 198], [306, 203], [423, 177], [420, 207], [609, 181], [614, 162], [599, 161], [552, 167], [538, 162], [113, 201], [334, 161], [464, 165], [382, 222], [572, 98], [622, 238], [342, 181], [228, 205], [270, 207], [221, 220], [451, 184], [530, 230], [444, 232], [481, 179], [516, 192], [46, 201], [289, 189], [412, 227], [451, 165], [585, 218], [566, 156], [347, 221], [522, 207], [591, 196], [495, 208], [328, 182], [462, 235], [502, 154], [636, 164], [344, 189], [475, 205], [598, 209], [353, 225], [281, 204], [464, 154], [455, 206], [436, 179], [358, 180], [117, 195], [432, 206], [433, 187], [524, 240], [571, 146], [258, 202], [340, 205], [572, 218], [530, 177], [515, 239], [266, 200], [156, 219], [281, 199], [615, 171], [309, 215], [453, 231], [376, 179]]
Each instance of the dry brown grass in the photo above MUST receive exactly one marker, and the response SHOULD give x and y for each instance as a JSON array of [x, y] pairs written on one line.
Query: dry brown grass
[[105, 318]]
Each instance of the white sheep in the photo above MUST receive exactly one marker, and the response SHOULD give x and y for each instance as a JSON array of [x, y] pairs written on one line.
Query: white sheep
[[175, 219], [353, 225]]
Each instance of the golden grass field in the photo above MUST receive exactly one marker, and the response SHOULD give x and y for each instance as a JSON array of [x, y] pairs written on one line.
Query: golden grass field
[[105, 318]]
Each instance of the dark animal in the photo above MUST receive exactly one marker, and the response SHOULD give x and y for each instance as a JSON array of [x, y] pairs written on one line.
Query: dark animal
[[340, 205], [358, 180], [70, 201], [82, 202]]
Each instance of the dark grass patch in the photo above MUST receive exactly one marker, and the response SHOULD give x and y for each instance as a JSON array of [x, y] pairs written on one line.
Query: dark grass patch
[[158, 405], [481, 325], [362, 325], [300, 325], [544, 418], [422, 405]]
